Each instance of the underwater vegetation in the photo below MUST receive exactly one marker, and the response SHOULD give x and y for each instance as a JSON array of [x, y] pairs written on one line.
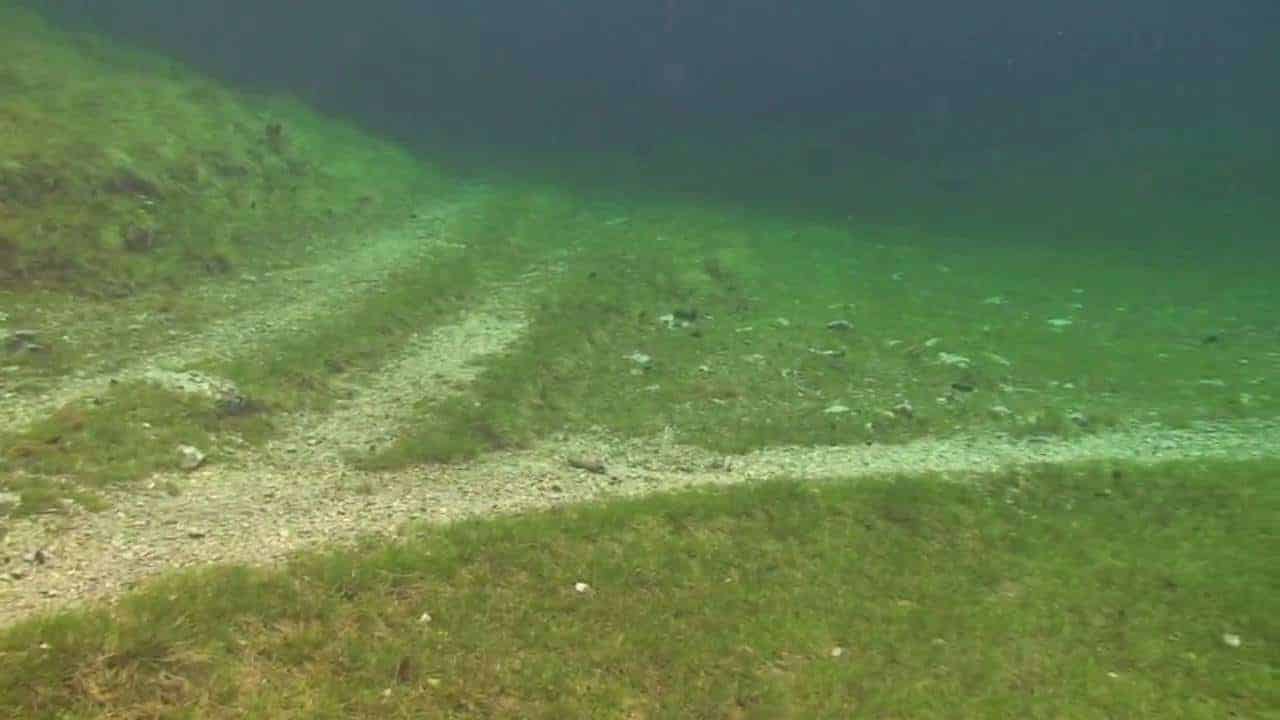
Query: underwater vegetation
[[297, 421], [138, 171]]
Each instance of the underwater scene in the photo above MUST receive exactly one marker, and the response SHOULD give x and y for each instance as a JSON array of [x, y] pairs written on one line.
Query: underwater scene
[[639, 359]]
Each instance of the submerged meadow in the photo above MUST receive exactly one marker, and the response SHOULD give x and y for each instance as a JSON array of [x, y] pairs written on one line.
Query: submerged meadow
[[1005, 424]]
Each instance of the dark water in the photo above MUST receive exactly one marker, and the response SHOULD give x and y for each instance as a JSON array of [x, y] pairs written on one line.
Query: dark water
[[1146, 114]]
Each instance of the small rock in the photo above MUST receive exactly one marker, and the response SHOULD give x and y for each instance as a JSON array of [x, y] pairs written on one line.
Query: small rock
[[17, 574], [196, 534], [590, 464], [21, 340], [189, 458], [839, 325], [837, 652], [433, 682], [837, 409], [904, 409], [581, 587], [1231, 640], [10, 498], [641, 359], [953, 360], [424, 618], [39, 557]]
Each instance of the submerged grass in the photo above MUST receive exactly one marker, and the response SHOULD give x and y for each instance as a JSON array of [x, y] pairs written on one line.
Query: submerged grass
[[129, 432], [121, 170], [134, 429], [737, 331], [1082, 592]]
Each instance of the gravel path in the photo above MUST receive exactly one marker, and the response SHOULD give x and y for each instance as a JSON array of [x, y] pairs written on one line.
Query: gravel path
[[434, 365], [273, 305], [271, 507]]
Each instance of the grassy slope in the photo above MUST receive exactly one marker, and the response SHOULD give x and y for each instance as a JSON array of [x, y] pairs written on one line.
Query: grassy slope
[[1071, 592], [119, 170], [1148, 340]]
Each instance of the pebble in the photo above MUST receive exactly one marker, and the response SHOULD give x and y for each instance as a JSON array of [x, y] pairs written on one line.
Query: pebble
[[1231, 640], [189, 457], [590, 464], [581, 587], [953, 360], [839, 325]]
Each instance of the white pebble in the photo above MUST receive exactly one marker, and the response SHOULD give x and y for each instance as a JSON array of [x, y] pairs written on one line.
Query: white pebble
[[1231, 639], [581, 587]]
